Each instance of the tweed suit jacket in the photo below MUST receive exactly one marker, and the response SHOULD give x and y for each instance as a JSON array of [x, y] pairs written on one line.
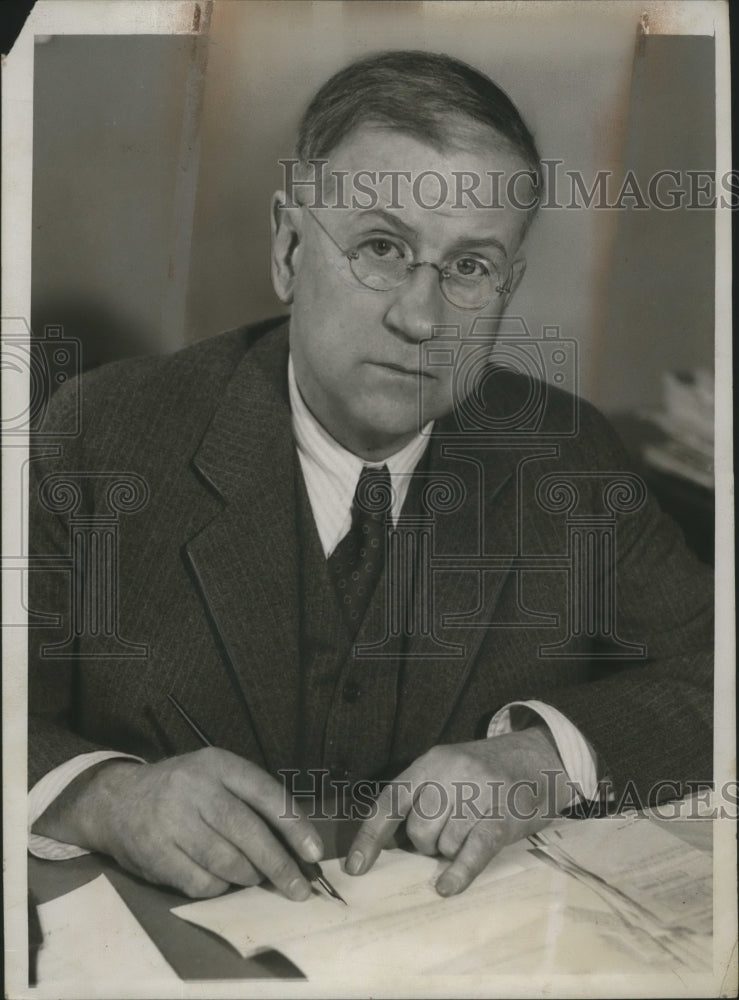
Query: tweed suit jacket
[[207, 582]]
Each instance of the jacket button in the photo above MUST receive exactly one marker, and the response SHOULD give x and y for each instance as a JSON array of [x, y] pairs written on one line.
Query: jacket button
[[352, 692]]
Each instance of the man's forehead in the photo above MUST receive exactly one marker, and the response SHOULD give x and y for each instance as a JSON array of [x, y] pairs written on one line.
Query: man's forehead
[[374, 149], [383, 174]]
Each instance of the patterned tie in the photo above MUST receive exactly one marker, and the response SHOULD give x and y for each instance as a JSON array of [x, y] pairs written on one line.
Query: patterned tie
[[356, 563]]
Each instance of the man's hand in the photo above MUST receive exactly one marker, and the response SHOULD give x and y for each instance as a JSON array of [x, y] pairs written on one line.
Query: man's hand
[[466, 801], [198, 822]]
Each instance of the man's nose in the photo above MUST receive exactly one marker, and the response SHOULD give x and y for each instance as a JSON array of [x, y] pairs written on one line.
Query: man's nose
[[416, 305]]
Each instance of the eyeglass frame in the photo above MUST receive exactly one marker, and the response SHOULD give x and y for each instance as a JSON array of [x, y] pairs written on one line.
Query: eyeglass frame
[[353, 254]]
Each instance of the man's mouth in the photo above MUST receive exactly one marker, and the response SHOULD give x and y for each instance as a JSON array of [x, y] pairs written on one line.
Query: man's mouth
[[403, 370]]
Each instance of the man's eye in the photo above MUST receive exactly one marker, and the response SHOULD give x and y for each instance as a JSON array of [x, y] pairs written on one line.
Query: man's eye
[[470, 267], [384, 248]]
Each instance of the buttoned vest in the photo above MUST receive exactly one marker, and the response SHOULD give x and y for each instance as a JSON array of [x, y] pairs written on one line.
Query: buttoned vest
[[349, 693]]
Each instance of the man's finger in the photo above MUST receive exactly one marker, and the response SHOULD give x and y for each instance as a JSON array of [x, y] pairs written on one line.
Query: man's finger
[[392, 806], [245, 829], [207, 848], [428, 817], [176, 868], [271, 800], [454, 834], [465, 816], [483, 842]]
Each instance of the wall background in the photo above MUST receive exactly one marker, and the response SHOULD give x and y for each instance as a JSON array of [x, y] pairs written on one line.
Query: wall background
[[153, 171]]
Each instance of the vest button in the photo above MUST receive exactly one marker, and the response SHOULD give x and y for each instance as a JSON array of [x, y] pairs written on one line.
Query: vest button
[[352, 692]]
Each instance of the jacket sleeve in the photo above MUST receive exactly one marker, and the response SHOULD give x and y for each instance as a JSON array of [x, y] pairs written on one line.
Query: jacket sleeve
[[649, 716], [51, 679]]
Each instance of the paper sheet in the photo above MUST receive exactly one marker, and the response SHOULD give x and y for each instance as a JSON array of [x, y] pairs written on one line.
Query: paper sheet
[[659, 886], [394, 912], [92, 938], [666, 877], [641, 897]]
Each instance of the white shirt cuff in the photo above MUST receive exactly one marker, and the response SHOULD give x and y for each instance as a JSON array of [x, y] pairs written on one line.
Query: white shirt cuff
[[52, 785], [577, 757]]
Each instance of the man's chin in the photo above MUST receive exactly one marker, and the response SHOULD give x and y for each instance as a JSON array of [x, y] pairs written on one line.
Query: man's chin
[[375, 439], [398, 405]]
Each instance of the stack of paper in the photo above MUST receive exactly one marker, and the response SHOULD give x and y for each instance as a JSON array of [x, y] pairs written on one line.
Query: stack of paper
[[659, 886], [639, 899], [687, 419]]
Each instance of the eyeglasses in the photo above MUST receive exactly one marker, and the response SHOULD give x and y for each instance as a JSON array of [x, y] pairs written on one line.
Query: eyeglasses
[[381, 263]]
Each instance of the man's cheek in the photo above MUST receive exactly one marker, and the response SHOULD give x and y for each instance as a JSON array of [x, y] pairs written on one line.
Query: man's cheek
[[436, 398]]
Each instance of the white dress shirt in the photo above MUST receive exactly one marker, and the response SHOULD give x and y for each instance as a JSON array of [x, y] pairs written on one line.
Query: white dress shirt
[[331, 474]]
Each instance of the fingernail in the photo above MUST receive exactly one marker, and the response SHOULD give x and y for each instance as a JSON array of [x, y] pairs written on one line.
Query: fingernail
[[448, 885], [298, 890], [354, 862], [313, 848]]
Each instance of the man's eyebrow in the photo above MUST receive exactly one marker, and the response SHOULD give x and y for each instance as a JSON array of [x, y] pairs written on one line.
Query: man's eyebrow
[[388, 217], [476, 243], [461, 243]]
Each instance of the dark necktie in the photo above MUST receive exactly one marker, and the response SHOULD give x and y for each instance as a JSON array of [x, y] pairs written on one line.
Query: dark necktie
[[356, 563]]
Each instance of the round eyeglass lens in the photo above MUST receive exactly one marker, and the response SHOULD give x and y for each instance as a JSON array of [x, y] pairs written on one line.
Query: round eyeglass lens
[[469, 293], [465, 291], [380, 273]]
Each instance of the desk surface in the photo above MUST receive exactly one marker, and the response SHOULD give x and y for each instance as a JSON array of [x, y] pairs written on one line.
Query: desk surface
[[192, 952], [196, 954]]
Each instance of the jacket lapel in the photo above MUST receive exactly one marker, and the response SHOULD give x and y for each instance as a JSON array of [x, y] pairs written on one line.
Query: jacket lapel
[[481, 523], [245, 559]]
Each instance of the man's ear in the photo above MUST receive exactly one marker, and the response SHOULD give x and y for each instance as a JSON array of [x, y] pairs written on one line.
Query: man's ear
[[285, 228]]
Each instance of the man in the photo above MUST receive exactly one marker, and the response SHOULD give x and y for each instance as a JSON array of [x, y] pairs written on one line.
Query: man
[[358, 551]]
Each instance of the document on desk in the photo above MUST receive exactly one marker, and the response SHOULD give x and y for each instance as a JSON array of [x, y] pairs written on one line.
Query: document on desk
[[640, 896], [90, 937], [394, 914], [656, 883]]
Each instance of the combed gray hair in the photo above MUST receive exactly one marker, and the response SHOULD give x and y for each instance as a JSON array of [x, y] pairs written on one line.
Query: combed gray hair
[[432, 97]]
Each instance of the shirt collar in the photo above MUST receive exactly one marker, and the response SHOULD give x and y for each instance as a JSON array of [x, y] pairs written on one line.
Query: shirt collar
[[331, 472]]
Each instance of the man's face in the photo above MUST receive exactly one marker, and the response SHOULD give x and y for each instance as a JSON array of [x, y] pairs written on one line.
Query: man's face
[[357, 351]]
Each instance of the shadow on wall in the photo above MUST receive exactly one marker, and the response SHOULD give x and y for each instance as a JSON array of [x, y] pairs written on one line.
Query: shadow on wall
[[104, 332]]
